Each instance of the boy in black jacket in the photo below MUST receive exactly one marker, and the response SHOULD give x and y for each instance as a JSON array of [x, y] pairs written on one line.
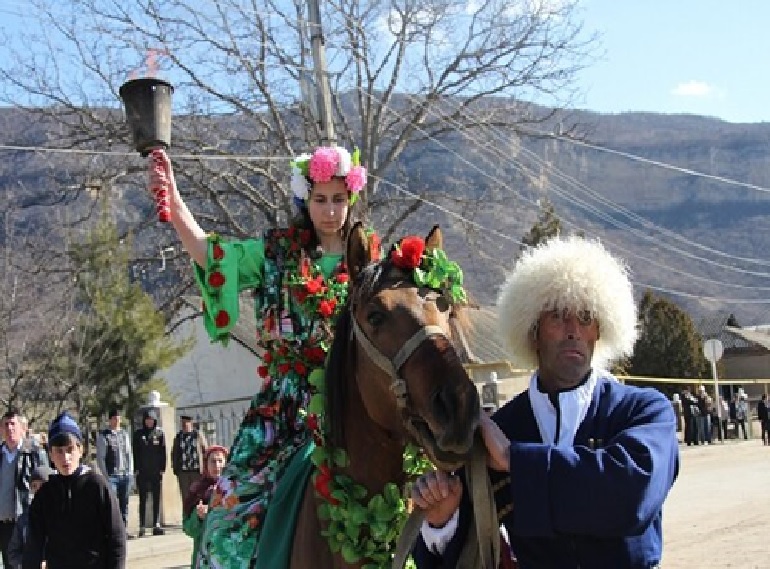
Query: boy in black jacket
[[74, 520]]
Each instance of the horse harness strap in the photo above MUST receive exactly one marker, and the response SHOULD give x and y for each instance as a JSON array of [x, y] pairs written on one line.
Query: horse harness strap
[[393, 367], [482, 548]]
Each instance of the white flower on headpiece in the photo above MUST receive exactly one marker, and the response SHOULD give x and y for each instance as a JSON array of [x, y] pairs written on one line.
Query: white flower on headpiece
[[343, 167], [299, 184]]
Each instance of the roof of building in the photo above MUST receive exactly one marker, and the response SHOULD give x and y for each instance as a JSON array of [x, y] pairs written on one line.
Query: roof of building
[[714, 326], [754, 335]]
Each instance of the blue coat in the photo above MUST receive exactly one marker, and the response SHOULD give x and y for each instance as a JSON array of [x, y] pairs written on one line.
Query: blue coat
[[594, 505]]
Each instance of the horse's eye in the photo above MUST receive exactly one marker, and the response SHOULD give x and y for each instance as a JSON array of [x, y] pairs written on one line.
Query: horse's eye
[[375, 318]]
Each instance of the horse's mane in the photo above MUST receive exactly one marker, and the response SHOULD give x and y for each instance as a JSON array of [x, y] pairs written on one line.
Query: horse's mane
[[342, 355]]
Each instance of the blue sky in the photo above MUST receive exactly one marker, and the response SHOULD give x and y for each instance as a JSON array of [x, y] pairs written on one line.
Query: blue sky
[[705, 57]]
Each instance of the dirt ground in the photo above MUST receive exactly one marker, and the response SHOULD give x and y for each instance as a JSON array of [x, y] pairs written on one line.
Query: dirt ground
[[718, 512], [716, 516]]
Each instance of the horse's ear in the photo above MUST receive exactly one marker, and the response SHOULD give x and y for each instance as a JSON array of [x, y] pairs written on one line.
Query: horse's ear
[[434, 240], [357, 251]]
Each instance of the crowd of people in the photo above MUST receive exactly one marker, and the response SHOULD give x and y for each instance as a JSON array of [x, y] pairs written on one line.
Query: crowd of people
[[701, 421]]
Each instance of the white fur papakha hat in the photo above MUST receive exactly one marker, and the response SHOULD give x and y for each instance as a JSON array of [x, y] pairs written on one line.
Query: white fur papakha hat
[[572, 273]]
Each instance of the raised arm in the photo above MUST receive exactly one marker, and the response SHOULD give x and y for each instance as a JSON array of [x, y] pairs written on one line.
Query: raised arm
[[191, 234]]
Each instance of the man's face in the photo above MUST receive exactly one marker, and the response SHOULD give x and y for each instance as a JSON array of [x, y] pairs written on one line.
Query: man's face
[[565, 342], [187, 426], [149, 422], [66, 459], [115, 422], [13, 431]]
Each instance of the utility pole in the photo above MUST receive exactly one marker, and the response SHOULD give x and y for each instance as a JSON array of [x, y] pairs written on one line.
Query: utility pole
[[324, 106]]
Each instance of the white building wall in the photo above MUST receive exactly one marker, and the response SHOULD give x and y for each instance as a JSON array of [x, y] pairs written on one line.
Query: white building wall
[[210, 372]]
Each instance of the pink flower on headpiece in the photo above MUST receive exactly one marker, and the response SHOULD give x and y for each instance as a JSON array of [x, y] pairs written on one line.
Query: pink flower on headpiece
[[356, 179], [323, 164]]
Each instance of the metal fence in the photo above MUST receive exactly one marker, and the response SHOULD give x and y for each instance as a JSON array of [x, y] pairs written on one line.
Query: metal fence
[[218, 420]]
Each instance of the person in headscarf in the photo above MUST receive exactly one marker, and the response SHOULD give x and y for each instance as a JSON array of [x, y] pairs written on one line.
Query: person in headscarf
[[581, 463], [196, 502]]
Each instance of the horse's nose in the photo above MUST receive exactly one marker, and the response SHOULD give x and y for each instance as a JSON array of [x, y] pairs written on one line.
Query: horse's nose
[[444, 405], [456, 411]]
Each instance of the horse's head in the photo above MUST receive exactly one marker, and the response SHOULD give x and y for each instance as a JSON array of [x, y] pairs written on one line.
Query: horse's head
[[408, 373]]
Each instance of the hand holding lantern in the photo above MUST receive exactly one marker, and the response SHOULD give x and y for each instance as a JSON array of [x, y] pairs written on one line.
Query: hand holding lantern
[[148, 113]]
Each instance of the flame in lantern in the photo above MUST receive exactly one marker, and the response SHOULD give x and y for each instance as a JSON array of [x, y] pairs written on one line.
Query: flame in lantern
[[150, 63]]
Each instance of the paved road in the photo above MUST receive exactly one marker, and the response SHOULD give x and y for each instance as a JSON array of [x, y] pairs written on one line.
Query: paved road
[[717, 515]]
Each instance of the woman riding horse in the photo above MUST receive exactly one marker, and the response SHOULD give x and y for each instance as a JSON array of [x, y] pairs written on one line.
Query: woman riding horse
[[301, 284]]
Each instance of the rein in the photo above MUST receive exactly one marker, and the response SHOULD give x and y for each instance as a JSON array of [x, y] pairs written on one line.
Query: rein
[[482, 547]]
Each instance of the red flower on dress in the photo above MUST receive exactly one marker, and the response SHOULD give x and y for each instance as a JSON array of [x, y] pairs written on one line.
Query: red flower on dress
[[315, 354], [342, 277], [267, 358], [263, 371], [312, 422], [300, 368], [282, 351], [222, 319], [284, 368], [408, 253], [314, 286], [300, 294], [217, 252], [321, 484], [326, 307], [216, 279]]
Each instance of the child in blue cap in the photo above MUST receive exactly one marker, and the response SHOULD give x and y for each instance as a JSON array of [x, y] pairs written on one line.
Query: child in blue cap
[[74, 520]]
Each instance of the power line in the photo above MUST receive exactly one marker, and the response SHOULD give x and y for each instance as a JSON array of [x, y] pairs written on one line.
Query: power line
[[45, 149]]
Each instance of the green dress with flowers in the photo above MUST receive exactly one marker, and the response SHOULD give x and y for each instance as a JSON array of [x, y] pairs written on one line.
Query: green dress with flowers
[[297, 302]]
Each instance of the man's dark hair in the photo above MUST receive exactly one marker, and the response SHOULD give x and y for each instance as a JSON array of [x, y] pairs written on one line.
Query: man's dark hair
[[11, 413]]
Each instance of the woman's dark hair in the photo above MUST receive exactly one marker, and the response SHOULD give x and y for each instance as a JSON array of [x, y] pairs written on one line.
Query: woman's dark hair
[[302, 221]]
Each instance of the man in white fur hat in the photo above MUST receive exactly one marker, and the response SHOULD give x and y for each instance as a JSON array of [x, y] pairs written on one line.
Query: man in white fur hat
[[580, 462]]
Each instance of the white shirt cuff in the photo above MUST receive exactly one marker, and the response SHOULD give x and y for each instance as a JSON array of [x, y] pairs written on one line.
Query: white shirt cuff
[[437, 538]]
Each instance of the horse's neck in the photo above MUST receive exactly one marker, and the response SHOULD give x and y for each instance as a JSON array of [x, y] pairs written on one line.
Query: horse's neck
[[373, 462], [375, 455]]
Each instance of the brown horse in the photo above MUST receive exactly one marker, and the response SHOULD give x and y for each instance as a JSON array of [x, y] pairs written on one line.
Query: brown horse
[[393, 376]]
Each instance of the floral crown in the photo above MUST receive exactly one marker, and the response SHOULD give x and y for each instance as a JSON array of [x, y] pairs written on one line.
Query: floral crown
[[431, 269], [323, 165]]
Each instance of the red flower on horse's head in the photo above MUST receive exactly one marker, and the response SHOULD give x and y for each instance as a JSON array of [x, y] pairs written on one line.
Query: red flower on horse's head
[[408, 253]]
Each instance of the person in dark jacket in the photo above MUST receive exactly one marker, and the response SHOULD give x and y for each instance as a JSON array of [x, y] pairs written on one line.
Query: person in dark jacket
[[764, 419], [116, 461], [19, 455], [39, 477], [149, 448], [580, 463], [74, 520], [187, 452]]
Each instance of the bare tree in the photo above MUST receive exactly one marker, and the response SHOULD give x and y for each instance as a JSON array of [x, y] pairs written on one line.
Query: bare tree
[[407, 77]]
